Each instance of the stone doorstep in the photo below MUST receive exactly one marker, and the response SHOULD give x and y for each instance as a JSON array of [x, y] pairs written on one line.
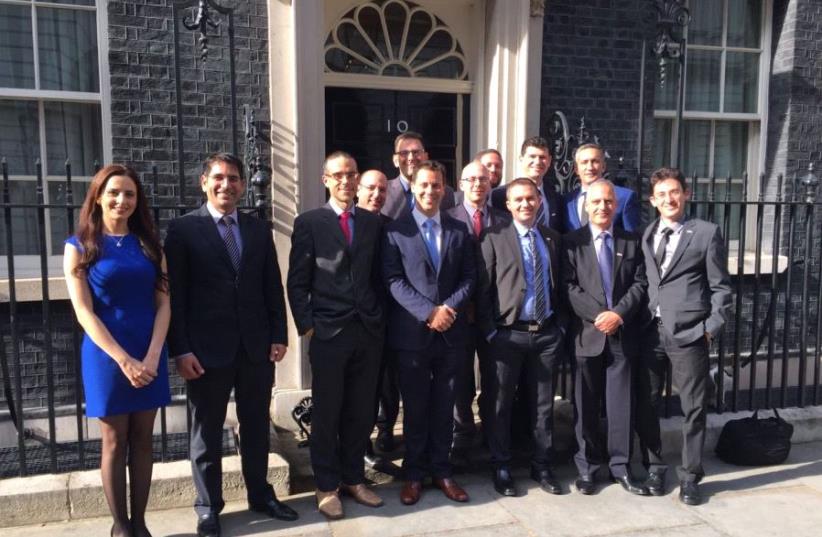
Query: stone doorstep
[[50, 498], [76, 495]]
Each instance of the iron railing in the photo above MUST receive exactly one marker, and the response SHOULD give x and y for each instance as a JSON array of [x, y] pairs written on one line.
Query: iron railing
[[769, 355]]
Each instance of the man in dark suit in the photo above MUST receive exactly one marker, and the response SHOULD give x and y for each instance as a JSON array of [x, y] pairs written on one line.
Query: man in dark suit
[[534, 163], [409, 152], [520, 311], [689, 300], [334, 290], [228, 328], [428, 267], [371, 195], [589, 160], [605, 280], [475, 212]]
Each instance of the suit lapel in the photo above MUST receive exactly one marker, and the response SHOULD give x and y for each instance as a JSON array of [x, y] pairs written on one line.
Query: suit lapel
[[619, 251], [447, 236], [417, 240], [333, 223], [512, 244], [648, 241], [209, 231]]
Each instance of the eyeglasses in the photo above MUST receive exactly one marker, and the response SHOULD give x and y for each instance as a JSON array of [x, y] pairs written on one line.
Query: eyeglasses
[[474, 180], [412, 153], [339, 176]]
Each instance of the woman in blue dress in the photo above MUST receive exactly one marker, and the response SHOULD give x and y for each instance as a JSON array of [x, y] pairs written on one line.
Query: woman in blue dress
[[116, 277]]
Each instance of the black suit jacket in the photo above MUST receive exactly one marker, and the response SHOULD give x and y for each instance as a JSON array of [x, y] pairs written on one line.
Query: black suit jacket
[[215, 310], [501, 276], [586, 296], [694, 294], [330, 282], [554, 200], [396, 204]]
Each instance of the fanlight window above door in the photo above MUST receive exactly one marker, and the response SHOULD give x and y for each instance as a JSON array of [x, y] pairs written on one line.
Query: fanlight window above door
[[394, 38]]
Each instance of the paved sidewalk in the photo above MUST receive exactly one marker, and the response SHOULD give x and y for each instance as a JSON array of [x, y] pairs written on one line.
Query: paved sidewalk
[[783, 501]]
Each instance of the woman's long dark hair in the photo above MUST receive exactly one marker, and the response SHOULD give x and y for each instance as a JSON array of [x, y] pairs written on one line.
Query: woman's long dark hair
[[140, 223]]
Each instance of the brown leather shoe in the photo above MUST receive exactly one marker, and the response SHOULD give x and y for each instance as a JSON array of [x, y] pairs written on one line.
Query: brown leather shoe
[[451, 490], [410, 493], [329, 504], [363, 495]]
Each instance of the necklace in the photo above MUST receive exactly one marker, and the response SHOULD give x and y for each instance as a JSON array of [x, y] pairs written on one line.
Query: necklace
[[119, 242]]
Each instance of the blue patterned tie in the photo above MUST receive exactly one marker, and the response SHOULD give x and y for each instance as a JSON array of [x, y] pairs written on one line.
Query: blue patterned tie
[[539, 278], [606, 266], [430, 237], [409, 199], [230, 241]]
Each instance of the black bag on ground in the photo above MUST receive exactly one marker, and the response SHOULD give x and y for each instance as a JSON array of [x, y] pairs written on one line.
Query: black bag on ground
[[754, 441]]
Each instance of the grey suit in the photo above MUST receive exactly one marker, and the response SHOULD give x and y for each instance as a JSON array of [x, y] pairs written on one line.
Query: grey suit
[[693, 297], [514, 347], [601, 357]]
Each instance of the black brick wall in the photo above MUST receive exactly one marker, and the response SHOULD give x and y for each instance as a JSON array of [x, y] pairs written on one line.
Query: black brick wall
[[592, 59], [143, 98]]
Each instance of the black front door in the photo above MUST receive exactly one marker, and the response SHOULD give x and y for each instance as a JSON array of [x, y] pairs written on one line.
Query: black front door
[[365, 122]]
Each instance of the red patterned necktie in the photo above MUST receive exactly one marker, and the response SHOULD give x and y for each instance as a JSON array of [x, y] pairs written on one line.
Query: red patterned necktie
[[345, 225], [477, 223]]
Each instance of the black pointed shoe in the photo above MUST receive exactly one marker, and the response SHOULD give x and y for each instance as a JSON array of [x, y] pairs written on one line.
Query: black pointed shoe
[[689, 493], [585, 485], [208, 525], [629, 485], [276, 509], [546, 480], [655, 483], [504, 483]]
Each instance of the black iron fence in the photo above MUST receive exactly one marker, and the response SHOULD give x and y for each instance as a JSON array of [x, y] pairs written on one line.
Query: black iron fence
[[769, 355], [30, 366]]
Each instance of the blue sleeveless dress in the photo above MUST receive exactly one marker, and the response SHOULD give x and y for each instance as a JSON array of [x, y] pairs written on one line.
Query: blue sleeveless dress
[[122, 284]]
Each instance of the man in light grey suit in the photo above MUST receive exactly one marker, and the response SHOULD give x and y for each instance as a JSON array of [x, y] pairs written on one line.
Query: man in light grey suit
[[409, 153], [689, 300]]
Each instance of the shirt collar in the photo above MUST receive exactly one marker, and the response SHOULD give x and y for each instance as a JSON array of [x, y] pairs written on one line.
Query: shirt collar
[[471, 210], [676, 228], [522, 231], [405, 184], [595, 230], [217, 215], [337, 210], [420, 218]]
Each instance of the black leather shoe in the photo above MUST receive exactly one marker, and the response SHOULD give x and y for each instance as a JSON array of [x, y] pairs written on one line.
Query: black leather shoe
[[655, 483], [503, 482], [689, 493], [585, 485], [632, 486], [546, 480], [276, 509], [385, 441], [208, 525]]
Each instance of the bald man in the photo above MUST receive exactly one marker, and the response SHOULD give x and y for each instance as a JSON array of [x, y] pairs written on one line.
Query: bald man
[[475, 212], [373, 190]]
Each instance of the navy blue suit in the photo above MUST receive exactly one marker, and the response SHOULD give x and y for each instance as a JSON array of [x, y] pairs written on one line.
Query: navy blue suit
[[627, 215], [427, 360]]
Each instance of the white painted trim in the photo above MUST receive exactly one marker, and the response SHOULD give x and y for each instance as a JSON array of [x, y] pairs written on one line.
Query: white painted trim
[[49, 95], [105, 80], [348, 80], [719, 116]]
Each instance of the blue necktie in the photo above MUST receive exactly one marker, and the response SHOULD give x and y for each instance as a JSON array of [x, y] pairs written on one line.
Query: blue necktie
[[606, 266], [409, 198], [430, 237], [231, 242], [539, 278]]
